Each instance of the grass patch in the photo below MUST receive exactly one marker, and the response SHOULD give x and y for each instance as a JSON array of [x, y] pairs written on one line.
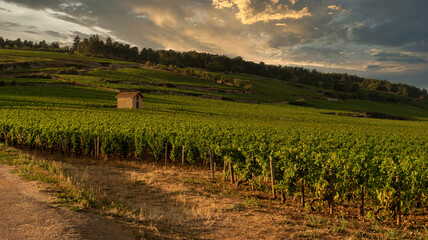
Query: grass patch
[[251, 202], [233, 208], [340, 227], [68, 191], [315, 222]]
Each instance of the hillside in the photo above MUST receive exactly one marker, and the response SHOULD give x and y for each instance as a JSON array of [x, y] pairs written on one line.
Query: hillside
[[350, 86], [22, 67]]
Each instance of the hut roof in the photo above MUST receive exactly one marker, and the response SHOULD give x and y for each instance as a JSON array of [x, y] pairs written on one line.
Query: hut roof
[[129, 95]]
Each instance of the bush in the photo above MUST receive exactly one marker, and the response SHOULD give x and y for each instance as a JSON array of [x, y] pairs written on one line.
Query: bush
[[41, 75], [248, 86], [70, 70]]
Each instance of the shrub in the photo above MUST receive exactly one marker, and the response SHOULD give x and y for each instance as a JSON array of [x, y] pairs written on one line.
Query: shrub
[[70, 70]]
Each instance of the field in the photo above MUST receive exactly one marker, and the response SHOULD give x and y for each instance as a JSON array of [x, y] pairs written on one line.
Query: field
[[46, 56], [311, 155]]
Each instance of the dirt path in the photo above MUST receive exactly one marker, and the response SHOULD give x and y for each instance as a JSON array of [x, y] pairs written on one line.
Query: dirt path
[[28, 213]]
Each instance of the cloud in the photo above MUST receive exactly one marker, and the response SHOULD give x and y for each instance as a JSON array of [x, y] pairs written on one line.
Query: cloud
[[19, 23], [56, 34], [399, 58], [9, 24], [270, 11], [334, 7], [387, 23], [4, 9], [286, 32], [375, 67]]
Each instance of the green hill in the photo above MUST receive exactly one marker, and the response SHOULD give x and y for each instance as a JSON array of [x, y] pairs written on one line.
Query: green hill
[[23, 67]]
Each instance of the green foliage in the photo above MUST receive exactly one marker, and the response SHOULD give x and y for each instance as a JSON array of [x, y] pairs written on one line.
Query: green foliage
[[335, 162], [70, 70]]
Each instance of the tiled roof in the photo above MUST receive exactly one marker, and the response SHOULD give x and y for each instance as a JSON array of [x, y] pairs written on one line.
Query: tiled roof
[[128, 94]]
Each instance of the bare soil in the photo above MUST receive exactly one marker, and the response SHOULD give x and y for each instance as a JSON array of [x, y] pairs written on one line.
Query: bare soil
[[28, 213]]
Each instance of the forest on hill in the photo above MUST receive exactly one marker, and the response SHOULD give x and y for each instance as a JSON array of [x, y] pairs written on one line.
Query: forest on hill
[[351, 84]]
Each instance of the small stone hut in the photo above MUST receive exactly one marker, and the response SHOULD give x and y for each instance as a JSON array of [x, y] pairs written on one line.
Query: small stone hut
[[131, 100]]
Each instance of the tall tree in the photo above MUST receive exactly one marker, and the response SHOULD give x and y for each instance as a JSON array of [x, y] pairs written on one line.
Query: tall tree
[[76, 42]]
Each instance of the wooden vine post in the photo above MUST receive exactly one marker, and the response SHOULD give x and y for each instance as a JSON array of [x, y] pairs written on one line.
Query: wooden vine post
[[232, 177], [182, 154], [397, 179], [62, 146], [211, 164], [272, 177], [253, 176], [40, 140], [362, 201], [331, 194], [97, 146], [98, 143], [166, 153], [302, 190]]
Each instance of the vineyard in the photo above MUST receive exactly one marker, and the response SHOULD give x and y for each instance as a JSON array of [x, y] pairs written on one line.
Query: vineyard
[[324, 156], [380, 166], [43, 55]]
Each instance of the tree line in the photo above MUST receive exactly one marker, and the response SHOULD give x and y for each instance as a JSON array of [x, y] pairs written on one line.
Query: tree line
[[19, 44], [351, 84]]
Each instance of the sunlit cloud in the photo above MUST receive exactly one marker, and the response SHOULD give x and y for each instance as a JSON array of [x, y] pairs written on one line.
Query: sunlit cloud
[[271, 12], [370, 38], [335, 7]]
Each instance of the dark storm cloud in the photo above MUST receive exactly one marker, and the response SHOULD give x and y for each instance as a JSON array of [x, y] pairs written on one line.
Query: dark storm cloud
[[399, 58], [379, 67], [388, 22], [421, 46], [37, 4], [375, 67]]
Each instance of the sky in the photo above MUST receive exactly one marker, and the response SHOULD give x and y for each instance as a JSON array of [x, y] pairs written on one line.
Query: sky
[[383, 39]]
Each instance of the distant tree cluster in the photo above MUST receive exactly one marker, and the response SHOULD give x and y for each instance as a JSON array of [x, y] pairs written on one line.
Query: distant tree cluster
[[94, 46], [400, 88], [19, 44]]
